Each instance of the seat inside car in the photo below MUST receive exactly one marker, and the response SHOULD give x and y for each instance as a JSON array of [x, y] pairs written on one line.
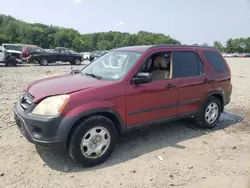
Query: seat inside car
[[161, 66]]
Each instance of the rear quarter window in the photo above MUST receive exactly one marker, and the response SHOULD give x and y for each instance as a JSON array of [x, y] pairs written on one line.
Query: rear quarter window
[[216, 61]]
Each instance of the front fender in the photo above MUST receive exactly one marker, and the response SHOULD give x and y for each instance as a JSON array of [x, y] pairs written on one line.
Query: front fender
[[76, 110], [90, 109]]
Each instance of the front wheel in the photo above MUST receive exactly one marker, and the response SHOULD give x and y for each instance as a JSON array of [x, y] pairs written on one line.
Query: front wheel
[[77, 62], [210, 113], [93, 141], [11, 63]]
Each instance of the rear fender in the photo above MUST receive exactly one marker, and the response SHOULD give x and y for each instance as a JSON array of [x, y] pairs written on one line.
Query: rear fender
[[217, 92]]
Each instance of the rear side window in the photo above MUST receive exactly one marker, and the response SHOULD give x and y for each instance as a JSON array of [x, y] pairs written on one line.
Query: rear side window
[[187, 64], [216, 61]]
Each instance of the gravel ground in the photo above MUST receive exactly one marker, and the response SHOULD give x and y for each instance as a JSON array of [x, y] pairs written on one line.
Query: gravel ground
[[175, 155]]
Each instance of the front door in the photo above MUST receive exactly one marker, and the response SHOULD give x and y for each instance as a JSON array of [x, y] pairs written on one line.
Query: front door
[[155, 101]]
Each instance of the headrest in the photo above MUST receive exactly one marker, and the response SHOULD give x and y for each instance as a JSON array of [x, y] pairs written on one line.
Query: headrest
[[160, 62]]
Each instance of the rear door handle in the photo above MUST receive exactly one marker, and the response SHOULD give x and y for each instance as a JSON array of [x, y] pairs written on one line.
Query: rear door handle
[[170, 86]]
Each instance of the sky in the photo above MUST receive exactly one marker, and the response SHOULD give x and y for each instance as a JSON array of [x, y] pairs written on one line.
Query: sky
[[189, 21]]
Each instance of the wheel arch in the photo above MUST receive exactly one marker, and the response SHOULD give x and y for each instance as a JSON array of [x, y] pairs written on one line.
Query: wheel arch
[[219, 95], [106, 112]]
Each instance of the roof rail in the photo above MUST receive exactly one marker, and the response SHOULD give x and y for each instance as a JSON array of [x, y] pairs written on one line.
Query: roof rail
[[179, 45]]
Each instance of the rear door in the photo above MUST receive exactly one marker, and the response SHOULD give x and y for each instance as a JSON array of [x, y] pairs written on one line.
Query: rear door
[[194, 82]]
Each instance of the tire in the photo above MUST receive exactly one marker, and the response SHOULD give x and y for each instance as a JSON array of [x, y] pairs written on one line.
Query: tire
[[44, 62], [207, 120], [87, 130], [11, 63], [77, 61], [91, 59]]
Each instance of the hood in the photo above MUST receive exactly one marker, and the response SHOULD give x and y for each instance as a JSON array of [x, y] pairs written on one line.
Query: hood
[[64, 84]]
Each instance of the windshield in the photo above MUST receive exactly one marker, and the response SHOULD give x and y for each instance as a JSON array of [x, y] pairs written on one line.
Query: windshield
[[37, 50], [72, 51], [113, 65]]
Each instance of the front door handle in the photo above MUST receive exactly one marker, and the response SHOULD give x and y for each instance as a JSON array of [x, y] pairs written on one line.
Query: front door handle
[[207, 80], [169, 86]]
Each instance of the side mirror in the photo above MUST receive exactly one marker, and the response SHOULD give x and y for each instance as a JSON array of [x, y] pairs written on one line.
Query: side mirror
[[142, 78]]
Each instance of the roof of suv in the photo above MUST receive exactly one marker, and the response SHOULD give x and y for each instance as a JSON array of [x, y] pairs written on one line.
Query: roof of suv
[[144, 48]]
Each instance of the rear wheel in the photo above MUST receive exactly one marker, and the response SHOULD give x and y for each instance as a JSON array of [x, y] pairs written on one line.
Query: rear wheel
[[93, 141], [44, 62], [210, 113]]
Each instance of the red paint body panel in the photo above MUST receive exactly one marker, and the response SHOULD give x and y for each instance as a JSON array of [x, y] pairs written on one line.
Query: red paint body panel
[[106, 96], [63, 85], [151, 95]]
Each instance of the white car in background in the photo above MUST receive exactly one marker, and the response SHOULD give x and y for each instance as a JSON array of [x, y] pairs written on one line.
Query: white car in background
[[86, 55], [14, 49], [7, 57]]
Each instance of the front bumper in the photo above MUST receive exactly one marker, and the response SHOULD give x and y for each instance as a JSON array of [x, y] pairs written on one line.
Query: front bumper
[[48, 132]]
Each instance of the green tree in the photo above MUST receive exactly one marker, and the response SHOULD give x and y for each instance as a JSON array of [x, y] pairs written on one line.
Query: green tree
[[49, 36], [219, 46]]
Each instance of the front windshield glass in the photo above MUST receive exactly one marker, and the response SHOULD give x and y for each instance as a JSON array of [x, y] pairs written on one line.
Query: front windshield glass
[[113, 65]]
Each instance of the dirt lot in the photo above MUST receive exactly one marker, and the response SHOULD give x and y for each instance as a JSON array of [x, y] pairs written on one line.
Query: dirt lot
[[190, 157]]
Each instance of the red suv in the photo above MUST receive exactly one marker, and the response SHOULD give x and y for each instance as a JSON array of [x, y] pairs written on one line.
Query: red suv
[[28, 50], [84, 112]]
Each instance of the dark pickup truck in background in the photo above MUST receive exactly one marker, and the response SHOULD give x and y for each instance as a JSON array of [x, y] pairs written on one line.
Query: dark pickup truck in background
[[60, 54]]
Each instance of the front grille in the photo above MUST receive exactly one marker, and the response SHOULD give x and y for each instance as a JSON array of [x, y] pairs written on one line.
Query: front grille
[[26, 100]]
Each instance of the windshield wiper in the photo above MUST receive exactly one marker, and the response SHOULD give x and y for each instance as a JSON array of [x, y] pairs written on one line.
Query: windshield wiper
[[94, 76]]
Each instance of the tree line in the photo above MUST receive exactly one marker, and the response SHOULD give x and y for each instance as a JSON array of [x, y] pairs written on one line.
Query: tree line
[[49, 36], [16, 31], [239, 45]]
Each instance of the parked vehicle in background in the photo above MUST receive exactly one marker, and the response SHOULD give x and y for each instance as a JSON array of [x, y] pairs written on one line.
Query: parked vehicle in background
[[14, 49], [96, 54], [86, 55], [61, 54], [235, 55], [22, 51], [28, 50], [247, 55], [7, 58], [124, 89]]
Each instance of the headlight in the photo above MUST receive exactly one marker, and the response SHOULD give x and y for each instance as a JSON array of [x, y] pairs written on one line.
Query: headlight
[[52, 105]]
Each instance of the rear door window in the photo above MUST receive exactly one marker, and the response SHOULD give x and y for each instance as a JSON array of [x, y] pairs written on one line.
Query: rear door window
[[186, 64], [216, 61]]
